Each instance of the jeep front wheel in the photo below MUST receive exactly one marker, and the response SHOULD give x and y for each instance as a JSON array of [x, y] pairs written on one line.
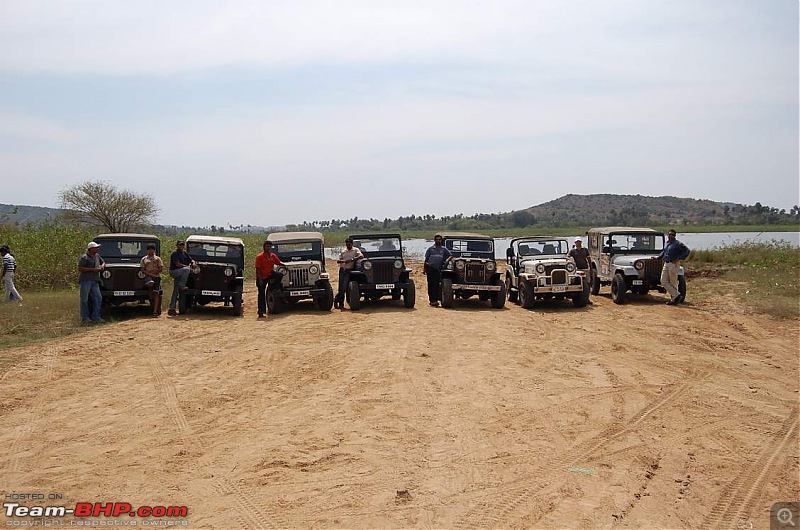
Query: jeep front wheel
[[274, 301], [499, 297], [325, 302], [582, 299], [512, 295], [354, 295], [237, 302], [595, 282], [410, 295], [619, 288], [681, 288], [526, 298], [447, 292]]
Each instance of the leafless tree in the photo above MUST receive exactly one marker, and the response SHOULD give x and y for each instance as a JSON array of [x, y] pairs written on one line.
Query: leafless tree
[[102, 203]]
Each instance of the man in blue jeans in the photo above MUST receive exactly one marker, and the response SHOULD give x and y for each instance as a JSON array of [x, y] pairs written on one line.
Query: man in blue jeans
[[90, 266], [179, 267]]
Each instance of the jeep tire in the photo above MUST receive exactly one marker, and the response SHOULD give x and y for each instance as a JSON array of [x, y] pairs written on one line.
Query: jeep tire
[[595, 282], [447, 292], [681, 288], [619, 288], [325, 302], [183, 303], [499, 297], [237, 302], [526, 297], [513, 295], [274, 300], [582, 299], [410, 295], [354, 295]]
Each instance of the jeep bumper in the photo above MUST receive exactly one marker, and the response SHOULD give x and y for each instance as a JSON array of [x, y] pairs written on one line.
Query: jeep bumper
[[470, 287]]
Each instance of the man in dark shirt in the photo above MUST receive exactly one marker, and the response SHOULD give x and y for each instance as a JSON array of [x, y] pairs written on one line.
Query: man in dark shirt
[[580, 256], [179, 268], [435, 257], [674, 252], [90, 266]]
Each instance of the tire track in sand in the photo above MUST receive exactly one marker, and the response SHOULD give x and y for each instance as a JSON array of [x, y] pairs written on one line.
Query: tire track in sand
[[739, 498], [494, 510], [252, 514]]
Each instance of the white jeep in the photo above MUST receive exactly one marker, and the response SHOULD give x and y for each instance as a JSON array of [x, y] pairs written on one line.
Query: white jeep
[[627, 259]]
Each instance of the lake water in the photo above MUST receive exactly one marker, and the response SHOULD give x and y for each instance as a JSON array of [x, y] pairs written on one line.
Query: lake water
[[415, 248]]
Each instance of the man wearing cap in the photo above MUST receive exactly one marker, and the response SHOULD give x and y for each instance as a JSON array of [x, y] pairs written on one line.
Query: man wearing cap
[[179, 267], [435, 257], [152, 266], [90, 266], [265, 271], [9, 267], [674, 252], [580, 256], [347, 260]]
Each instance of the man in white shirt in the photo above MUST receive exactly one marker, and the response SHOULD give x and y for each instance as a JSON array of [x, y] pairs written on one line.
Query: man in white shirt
[[9, 266], [347, 260]]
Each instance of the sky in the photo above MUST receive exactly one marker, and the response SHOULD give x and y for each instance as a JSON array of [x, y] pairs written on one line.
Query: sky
[[275, 112]]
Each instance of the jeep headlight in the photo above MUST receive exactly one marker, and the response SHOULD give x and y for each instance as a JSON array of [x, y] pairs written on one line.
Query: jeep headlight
[[490, 266], [313, 269], [570, 267], [107, 274], [228, 271], [460, 265], [540, 268], [398, 264], [367, 265], [140, 274], [638, 264]]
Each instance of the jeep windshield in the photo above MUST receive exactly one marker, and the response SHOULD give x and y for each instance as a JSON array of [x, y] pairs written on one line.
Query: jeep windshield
[[123, 248], [635, 243], [382, 246], [478, 248], [298, 251], [201, 251], [543, 247]]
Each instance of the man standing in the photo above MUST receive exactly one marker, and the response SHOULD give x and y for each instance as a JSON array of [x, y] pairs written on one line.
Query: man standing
[[152, 266], [90, 266], [347, 260], [179, 267], [265, 271], [435, 257], [674, 252], [580, 256], [9, 267]]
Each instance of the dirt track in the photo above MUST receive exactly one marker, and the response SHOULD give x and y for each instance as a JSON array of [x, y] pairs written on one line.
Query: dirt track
[[640, 415]]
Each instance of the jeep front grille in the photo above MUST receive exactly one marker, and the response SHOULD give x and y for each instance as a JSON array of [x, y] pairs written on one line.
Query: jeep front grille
[[123, 279], [475, 273], [652, 269], [550, 268], [212, 278], [383, 271], [559, 277], [298, 277]]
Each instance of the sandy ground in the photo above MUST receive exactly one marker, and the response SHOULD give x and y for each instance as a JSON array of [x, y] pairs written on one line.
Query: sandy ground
[[640, 415]]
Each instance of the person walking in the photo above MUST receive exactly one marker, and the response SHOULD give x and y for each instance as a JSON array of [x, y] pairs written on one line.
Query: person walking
[[9, 268], [152, 266], [580, 255], [674, 252], [347, 261], [180, 264], [435, 257], [265, 271], [90, 265]]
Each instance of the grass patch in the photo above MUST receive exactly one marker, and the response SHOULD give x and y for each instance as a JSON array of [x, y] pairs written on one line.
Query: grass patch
[[767, 274]]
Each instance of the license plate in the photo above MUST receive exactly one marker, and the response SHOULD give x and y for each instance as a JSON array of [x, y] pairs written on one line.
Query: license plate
[[637, 282], [123, 293], [384, 286], [300, 293], [559, 289], [211, 293]]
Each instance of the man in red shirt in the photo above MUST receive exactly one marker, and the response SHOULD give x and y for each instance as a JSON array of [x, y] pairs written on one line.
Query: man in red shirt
[[265, 265]]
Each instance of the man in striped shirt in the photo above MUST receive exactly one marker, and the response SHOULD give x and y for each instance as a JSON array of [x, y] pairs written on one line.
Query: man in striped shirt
[[9, 266]]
